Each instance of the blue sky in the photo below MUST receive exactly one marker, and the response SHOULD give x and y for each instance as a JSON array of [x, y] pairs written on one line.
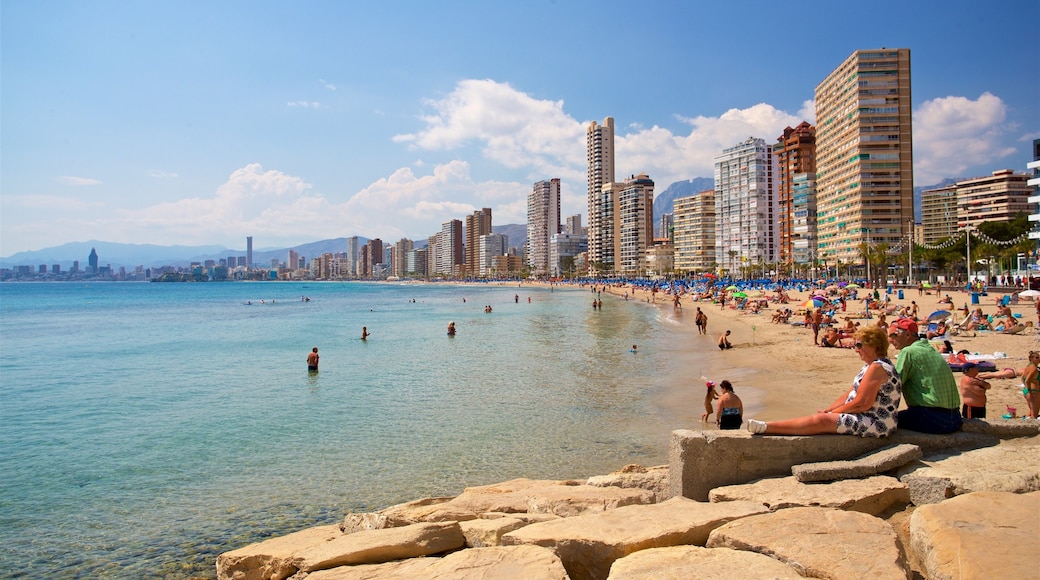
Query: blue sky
[[191, 122]]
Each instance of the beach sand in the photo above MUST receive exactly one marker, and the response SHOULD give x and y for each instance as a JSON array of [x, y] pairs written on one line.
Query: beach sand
[[779, 373]]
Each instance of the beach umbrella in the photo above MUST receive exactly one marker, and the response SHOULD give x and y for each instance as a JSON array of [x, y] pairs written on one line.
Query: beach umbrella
[[939, 315], [853, 286], [831, 287], [815, 302], [731, 287], [1028, 294], [754, 293], [926, 285], [738, 295]]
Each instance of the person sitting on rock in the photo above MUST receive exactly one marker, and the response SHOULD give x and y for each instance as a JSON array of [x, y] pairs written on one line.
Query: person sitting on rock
[[868, 409]]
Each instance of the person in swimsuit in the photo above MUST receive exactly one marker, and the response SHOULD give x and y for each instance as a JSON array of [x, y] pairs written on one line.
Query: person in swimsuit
[[710, 396], [1031, 384], [364, 333], [312, 360], [731, 409], [869, 407], [724, 343], [973, 392]]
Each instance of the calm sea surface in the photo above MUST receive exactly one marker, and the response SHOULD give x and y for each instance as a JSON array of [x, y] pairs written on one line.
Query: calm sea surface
[[148, 427]]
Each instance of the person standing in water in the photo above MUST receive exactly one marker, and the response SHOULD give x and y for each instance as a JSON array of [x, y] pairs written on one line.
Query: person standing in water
[[731, 409], [364, 333], [451, 328], [709, 398], [312, 360]]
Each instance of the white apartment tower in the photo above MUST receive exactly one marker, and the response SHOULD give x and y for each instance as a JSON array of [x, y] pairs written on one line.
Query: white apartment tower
[[450, 248], [745, 205], [694, 232], [543, 221], [634, 224], [599, 144]]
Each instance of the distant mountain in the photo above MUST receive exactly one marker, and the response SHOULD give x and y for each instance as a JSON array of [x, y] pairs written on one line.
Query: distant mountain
[[663, 201], [110, 253], [517, 234], [919, 189]]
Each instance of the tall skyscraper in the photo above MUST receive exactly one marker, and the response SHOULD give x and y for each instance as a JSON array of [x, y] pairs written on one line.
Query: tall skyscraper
[[491, 246], [353, 251], [399, 257], [695, 232], [1034, 182], [92, 261], [249, 252], [599, 144], [745, 205], [450, 250], [795, 152], [938, 214], [633, 224], [478, 224], [864, 154], [574, 225], [543, 221], [803, 219]]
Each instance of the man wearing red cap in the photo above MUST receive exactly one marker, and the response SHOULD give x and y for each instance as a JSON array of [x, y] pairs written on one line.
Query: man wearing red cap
[[929, 389]]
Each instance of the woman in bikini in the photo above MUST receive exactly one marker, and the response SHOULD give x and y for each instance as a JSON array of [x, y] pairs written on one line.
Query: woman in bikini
[[1031, 384], [731, 409]]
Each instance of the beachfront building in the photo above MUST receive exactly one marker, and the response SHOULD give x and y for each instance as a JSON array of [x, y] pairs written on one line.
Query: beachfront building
[[564, 250], [399, 257], [694, 233], [803, 218], [634, 224], [415, 263], [994, 198], [249, 255], [450, 256], [666, 225], [660, 257], [477, 225], [938, 214], [491, 245], [599, 144], [1034, 182], [795, 152], [353, 251], [543, 222], [573, 225], [745, 206], [864, 154]]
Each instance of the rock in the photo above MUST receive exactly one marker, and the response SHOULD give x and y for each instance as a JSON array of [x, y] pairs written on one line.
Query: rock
[[684, 562], [872, 496], [481, 533], [1012, 466], [562, 498], [376, 546], [353, 522], [874, 463], [588, 544], [1003, 428], [654, 479], [978, 535], [272, 559], [819, 542], [524, 517], [527, 562]]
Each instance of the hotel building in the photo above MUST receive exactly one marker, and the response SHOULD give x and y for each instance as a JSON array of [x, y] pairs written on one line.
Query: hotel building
[[1034, 182], [795, 152], [864, 154], [803, 218], [745, 205], [938, 214], [633, 223], [995, 198], [478, 224], [599, 143], [694, 232], [543, 222]]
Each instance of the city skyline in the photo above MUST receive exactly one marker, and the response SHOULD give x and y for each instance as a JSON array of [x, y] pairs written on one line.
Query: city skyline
[[202, 124]]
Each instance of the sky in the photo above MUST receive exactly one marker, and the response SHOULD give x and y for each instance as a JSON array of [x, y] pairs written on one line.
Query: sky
[[194, 122]]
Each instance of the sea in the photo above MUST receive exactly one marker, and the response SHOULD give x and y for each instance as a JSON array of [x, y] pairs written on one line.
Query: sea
[[145, 428]]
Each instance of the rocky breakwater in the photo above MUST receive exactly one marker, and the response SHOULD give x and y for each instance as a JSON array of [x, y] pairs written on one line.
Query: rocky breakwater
[[850, 513]]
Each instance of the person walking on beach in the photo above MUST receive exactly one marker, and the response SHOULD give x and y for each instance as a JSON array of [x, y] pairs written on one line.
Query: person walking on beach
[[817, 320], [973, 392], [929, 388], [312, 360], [731, 409], [1031, 384], [724, 341], [702, 321], [709, 397]]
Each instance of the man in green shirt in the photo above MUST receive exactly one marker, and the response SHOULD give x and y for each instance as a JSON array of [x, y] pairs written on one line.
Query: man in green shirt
[[929, 389]]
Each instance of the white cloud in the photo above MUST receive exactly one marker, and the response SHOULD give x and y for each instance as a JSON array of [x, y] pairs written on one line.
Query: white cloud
[[304, 104], [1029, 137], [77, 181], [953, 134], [327, 85]]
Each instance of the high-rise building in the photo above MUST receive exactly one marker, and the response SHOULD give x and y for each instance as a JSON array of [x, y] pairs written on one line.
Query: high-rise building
[[795, 152], [249, 252], [634, 224], [399, 257], [477, 225], [491, 245], [745, 205], [994, 198], [1034, 182], [92, 261], [564, 250], [543, 222], [374, 256], [667, 223], [450, 254], [353, 251], [864, 154], [293, 261], [694, 237], [803, 218], [938, 214], [574, 225], [599, 144]]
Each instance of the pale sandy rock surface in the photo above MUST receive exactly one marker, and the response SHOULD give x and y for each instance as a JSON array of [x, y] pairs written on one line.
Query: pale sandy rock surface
[[872, 495], [376, 546], [978, 535], [272, 559], [589, 544], [483, 533], [653, 479], [1012, 466], [874, 463], [520, 562], [562, 498], [819, 542], [686, 562]]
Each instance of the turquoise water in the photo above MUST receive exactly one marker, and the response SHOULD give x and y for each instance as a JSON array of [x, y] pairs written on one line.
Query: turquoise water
[[148, 427]]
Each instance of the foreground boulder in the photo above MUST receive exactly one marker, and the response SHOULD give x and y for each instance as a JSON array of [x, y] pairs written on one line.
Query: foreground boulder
[[867, 465], [527, 562], [589, 544], [819, 542], [685, 562], [871, 496], [978, 535], [327, 547], [654, 479], [561, 498]]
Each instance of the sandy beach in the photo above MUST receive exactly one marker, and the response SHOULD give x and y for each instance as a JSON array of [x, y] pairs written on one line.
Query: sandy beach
[[778, 371]]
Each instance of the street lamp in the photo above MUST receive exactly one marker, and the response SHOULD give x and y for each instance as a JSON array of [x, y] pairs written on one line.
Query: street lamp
[[967, 233]]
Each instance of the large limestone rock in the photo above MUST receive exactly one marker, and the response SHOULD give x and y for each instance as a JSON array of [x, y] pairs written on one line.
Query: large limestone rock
[[1012, 466], [685, 562], [375, 546], [272, 559], [978, 535], [588, 544], [819, 542], [654, 479], [526, 562], [867, 465], [561, 498], [484, 533], [871, 496]]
